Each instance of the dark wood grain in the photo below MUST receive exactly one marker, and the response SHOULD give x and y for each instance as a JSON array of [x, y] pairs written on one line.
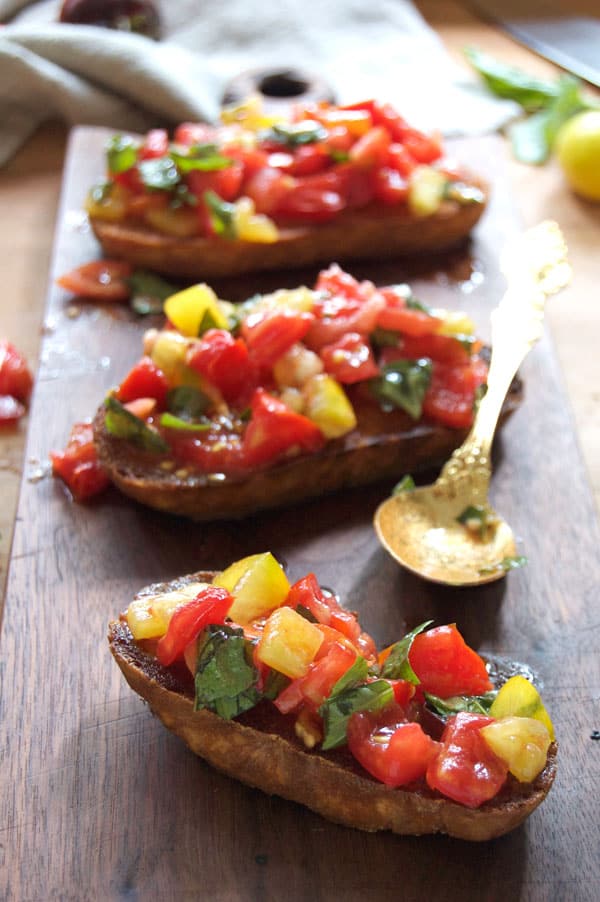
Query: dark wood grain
[[98, 801]]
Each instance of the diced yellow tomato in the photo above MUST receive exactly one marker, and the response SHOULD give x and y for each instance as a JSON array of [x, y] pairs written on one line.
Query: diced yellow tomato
[[249, 113], [426, 188], [519, 697], [186, 309], [298, 300], [251, 226], [109, 205], [148, 617], [521, 742], [257, 583], [181, 222], [358, 122], [327, 405], [289, 643], [169, 354], [454, 322], [296, 366]]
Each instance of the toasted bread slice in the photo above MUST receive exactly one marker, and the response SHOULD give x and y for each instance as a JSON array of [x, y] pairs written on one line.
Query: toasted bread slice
[[260, 749]]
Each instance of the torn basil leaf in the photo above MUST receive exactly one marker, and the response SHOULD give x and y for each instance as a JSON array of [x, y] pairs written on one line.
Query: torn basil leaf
[[506, 564], [414, 303], [201, 158], [397, 666], [225, 681], [221, 214], [187, 402], [121, 153], [159, 174], [170, 421], [295, 134], [532, 138], [148, 291], [406, 484], [475, 704], [338, 708], [121, 423], [403, 384], [512, 83], [384, 338]]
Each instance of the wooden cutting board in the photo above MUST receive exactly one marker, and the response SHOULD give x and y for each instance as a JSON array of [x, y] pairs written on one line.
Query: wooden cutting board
[[98, 801]]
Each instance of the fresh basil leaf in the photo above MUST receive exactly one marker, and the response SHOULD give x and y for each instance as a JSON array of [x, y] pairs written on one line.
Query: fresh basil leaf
[[354, 675], [397, 666], [338, 156], [187, 402], [121, 153], [170, 421], [403, 383], [337, 709], [413, 303], [384, 338], [159, 174], [476, 704], [182, 196], [121, 423], [406, 484], [506, 564], [532, 138], [295, 134], [221, 214], [306, 613], [512, 83], [274, 684], [148, 291], [200, 158], [207, 322], [225, 682]]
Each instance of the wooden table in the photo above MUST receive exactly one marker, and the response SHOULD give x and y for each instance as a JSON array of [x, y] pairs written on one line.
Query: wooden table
[[28, 197]]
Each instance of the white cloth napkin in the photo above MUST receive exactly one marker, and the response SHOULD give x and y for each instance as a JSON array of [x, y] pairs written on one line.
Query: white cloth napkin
[[95, 76]]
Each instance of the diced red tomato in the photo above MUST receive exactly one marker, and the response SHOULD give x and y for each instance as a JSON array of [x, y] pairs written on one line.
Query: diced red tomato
[[78, 464], [356, 184], [210, 453], [225, 182], [424, 148], [267, 187], [270, 334], [350, 359], [466, 769], [189, 133], [397, 317], [310, 159], [274, 429], [345, 306], [15, 375], [446, 665], [252, 159], [371, 149], [131, 180], [100, 280], [314, 198], [225, 362], [442, 348], [210, 606], [324, 607], [156, 144], [144, 380], [11, 410], [390, 748], [316, 685], [451, 394], [390, 187], [400, 159], [403, 692]]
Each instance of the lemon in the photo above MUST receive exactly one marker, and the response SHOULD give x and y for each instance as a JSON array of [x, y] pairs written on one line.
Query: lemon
[[578, 151]]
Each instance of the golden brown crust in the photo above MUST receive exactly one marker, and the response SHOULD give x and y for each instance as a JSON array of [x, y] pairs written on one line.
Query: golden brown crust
[[257, 752], [372, 233], [384, 446]]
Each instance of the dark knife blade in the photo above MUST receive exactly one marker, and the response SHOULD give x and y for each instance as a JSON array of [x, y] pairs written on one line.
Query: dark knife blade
[[572, 42]]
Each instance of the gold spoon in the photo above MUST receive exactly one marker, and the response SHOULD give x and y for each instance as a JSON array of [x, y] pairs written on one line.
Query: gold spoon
[[448, 532]]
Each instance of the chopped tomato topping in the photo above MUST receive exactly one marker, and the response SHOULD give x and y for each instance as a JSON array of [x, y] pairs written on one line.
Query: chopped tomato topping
[[269, 335], [446, 665], [15, 375], [144, 380], [274, 429], [210, 606], [78, 464], [101, 280], [350, 359], [225, 362]]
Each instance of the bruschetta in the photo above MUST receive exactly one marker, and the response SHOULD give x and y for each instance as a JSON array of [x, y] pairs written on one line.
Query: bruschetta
[[286, 397], [278, 686], [262, 193]]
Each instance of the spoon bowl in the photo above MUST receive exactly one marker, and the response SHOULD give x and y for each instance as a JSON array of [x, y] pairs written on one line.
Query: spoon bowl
[[448, 532]]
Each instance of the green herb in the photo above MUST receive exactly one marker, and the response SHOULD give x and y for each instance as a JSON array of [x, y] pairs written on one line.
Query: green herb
[[200, 158], [476, 704], [397, 666], [532, 138], [413, 303], [169, 421], [274, 684], [221, 214], [385, 338], [512, 83], [121, 423], [403, 383], [306, 613], [506, 564], [207, 322], [121, 153], [159, 174], [294, 134], [148, 291], [478, 519], [182, 196], [187, 402], [406, 484], [338, 708], [225, 682], [338, 156]]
